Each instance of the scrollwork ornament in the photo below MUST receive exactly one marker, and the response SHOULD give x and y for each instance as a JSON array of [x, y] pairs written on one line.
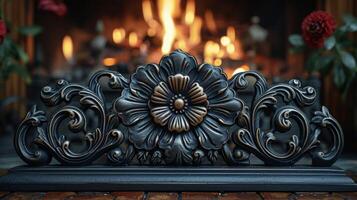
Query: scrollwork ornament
[[178, 112]]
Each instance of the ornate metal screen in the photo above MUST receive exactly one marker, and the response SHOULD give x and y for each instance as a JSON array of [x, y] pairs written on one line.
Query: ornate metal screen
[[183, 115]]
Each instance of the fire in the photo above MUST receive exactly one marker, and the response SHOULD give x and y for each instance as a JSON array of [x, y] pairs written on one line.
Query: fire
[[240, 69], [118, 35], [231, 33], [211, 50], [190, 12], [167, 8], [149, 17], [109, 61], [210, 22], [133, 39], [67, 47], [195, 31]]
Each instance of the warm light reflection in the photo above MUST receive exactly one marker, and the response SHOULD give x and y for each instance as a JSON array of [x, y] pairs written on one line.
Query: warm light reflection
[[67, 47], [133, 39], [240, 69], [118, 35], [190, 12], [166, 11], [109, 61]]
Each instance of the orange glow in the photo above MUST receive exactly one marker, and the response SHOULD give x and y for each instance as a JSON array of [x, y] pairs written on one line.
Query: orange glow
[[133, 39], [67, 47], [166, 11], [109, 61], [217, 62], [211, 50], [195, 31], [210, 22], [231, 33], [225, 40], [147, 10], [118, 35], [190, 12], [240, 69], [230, 48]]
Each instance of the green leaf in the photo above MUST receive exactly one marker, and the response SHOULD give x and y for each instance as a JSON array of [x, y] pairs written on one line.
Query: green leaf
[[296, 40], [324, 62], [339, 76], [330, 42], [22, 55], [311, 62], [347, 59], [30, 30]]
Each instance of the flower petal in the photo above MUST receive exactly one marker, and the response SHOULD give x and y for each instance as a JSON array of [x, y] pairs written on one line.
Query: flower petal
[[210, 134], [161, 114], [161, 94], [212, 79], [178, 83], [196, 94], [145, 134], [225, 107], [196, 114], [178, 123], [180, 152], [145, 79], [131, 107], [177, 62]]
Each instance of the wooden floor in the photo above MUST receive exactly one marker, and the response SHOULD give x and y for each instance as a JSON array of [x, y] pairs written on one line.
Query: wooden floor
[[175, 196]]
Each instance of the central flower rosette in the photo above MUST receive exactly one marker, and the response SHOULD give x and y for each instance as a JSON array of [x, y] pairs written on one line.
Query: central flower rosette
[[178, 106]]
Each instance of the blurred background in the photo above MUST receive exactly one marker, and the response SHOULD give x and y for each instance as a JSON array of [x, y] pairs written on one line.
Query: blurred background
[[46, 40]]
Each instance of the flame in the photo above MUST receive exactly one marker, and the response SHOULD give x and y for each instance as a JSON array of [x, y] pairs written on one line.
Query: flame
[[211, 50], [147, 11], [210, 22], [231, 33], [133, 39], [67, 47], [118, 35], [195, 31], [190, 12], [109, 61], [225, 41], [240, 69], [149, 17], [167, 8]]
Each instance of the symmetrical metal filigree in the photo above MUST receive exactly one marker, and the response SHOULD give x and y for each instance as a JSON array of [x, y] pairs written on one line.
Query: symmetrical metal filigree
[[181, 113]]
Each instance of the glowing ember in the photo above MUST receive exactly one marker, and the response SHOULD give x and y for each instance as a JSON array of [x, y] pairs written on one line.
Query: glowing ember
[[118, 35], [67, 47], [167, 8]]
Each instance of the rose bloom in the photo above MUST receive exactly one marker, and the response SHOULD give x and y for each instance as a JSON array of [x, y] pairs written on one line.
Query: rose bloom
[[316, 27], [3, 30], [55, 6]]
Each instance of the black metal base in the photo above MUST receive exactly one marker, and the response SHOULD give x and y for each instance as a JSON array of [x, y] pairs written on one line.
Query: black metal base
[[98, 178]]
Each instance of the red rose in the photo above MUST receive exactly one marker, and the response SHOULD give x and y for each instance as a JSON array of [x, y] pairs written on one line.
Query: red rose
[[55, 6], [316, 27], [3, 30]]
